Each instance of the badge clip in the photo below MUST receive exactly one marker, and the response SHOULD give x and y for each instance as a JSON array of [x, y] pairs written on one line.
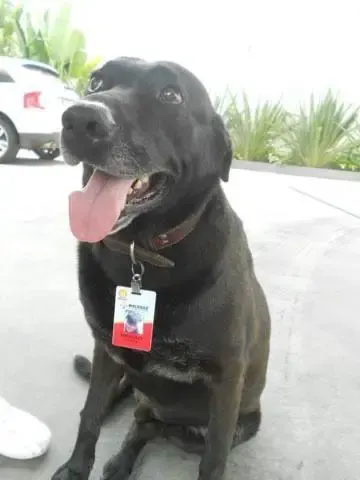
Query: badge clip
[[137, 269]]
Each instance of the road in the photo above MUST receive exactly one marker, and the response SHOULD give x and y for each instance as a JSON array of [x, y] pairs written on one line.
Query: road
[[307, 255]]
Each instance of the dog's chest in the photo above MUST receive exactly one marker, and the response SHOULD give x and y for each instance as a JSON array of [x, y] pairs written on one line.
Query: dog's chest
[[174, 361], [173, 371]]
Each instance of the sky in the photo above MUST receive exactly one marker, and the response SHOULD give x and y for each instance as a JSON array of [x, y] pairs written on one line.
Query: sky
[[271, 49]]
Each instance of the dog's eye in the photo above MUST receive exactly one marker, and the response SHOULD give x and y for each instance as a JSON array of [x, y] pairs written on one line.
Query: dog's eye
[[171, 95], [95, 84]]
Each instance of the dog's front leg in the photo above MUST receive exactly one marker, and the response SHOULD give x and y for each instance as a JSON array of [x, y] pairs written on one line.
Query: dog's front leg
[[121, 465], [224, 411], [104, 379]]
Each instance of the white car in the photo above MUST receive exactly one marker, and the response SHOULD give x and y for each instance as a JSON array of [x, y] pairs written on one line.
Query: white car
[[32, 100]]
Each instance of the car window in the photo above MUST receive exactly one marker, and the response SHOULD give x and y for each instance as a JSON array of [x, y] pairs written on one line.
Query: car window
[[40, 74], [5, 77], [44, 75]]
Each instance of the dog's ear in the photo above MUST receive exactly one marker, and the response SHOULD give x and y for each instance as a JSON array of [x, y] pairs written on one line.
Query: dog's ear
[[223, 147]]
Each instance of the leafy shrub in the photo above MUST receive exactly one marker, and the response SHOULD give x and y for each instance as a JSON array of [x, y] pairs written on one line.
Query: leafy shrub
[[323, 134], [50, 39], [7, 28], [255, 132]]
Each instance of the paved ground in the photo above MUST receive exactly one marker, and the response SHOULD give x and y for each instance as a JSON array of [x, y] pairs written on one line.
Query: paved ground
[[307, 255]]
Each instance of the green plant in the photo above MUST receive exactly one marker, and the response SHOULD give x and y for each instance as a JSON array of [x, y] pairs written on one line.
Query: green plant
[[220, 102], [323, 134], [255, 132], [52, 39], [7, 27]]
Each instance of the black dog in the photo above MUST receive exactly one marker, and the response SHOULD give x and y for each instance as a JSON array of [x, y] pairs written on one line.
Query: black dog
[[153, 151]]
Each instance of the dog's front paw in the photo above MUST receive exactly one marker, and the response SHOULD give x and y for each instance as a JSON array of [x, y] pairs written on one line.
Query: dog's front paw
[[211, 469], [67, 473], [117, 468]]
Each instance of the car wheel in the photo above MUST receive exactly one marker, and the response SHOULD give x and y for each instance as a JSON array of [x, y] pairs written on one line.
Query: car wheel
[[47, 153], [9, 143]]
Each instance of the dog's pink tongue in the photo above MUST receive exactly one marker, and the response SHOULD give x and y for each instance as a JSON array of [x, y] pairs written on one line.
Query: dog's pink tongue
[[94, 211]]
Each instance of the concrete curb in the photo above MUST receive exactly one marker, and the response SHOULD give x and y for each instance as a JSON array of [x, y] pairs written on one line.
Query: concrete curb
[[296, 170]]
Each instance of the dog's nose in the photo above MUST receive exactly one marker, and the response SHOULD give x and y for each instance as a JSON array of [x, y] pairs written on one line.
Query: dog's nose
[[89, 121]]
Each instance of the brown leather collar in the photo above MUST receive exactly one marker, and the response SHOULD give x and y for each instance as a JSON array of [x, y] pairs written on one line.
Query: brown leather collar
[[161, 241]]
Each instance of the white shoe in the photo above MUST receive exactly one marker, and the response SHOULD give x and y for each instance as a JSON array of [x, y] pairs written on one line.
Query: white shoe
[[22, 436]]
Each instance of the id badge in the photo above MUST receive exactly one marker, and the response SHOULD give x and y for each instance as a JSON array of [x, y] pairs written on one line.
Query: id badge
[[134, 318]]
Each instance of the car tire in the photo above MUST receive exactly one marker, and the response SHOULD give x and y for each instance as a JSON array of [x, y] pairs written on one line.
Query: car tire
[[8, 132], [47, 153]]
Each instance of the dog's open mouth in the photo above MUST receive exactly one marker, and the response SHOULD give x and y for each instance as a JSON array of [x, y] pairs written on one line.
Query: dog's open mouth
[[143, 189], [96, 209]]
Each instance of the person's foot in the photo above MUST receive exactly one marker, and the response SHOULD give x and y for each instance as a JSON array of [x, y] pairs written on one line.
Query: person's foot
[[22, 436]]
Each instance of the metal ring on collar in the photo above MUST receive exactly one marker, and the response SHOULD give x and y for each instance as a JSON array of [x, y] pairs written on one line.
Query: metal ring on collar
[[135, 262]]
